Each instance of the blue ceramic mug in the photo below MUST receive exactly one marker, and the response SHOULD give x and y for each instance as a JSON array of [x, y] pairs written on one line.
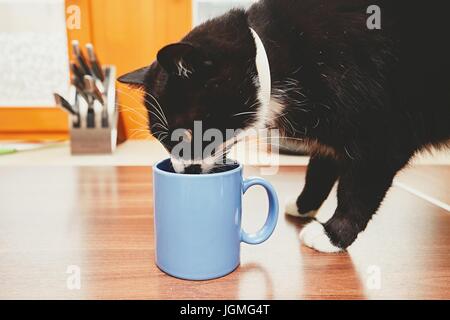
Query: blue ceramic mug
[[198, 220]]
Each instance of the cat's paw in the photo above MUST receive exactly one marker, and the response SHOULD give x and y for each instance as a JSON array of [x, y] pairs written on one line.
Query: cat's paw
[[291, 209], [313, 235]]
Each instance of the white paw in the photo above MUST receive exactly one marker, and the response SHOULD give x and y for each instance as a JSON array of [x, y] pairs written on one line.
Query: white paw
[[291, 210], [313, 235]]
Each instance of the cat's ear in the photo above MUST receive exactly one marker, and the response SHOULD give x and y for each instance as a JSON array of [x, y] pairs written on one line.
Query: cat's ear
[[135, 78], [182, 59]]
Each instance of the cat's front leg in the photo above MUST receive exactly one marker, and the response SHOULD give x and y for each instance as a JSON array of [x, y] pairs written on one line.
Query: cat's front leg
[[321, 175], [361, 189]]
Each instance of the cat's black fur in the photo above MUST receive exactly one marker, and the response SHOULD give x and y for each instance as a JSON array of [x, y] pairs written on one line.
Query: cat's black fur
[[365, 101]]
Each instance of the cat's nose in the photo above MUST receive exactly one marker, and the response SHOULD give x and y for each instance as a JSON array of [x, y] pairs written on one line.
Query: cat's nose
[[193, 169]]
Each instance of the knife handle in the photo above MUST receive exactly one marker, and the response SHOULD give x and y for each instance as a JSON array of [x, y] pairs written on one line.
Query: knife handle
[[91, 88], [80, 58], [95, 64], [76, 72]]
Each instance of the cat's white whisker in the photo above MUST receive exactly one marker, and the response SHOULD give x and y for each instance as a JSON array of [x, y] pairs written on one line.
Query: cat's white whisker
[[125, 108], [157, 107], [244, 113], [159, 125]]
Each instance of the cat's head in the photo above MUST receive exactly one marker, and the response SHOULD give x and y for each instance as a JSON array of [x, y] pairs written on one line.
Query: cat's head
[[209, 76]]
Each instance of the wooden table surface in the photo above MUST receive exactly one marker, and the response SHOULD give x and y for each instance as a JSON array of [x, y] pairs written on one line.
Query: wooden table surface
[[100, 220]]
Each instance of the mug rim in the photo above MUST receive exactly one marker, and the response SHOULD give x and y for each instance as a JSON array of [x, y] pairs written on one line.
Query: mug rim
[[197, 176]]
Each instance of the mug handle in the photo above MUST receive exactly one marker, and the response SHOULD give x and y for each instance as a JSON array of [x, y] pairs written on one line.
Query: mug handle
[[269, 226]]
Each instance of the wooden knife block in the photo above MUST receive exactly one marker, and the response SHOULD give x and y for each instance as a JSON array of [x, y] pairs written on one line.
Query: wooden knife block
[[97, 140]]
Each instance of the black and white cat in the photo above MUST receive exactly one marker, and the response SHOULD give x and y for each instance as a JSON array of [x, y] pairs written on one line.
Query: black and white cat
[[363, 101]]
